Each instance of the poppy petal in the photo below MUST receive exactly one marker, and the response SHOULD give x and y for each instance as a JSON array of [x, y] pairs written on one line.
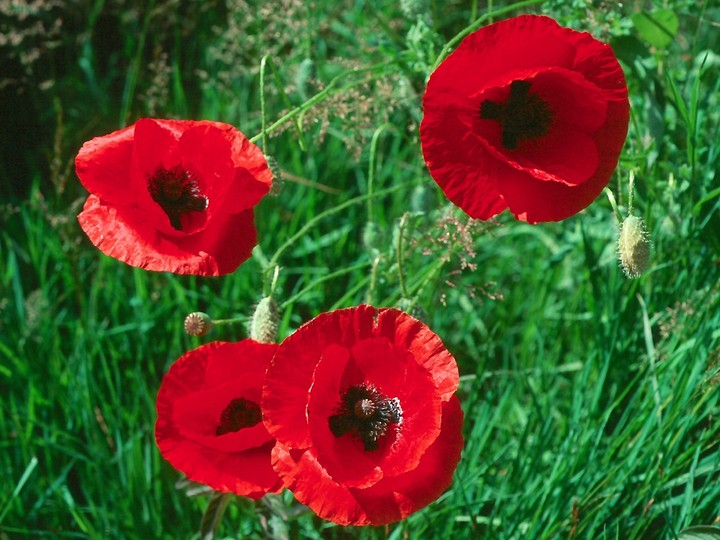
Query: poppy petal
[[190, 409], [392, 499], [103, 165], [122, 235], [356, 398], [181, 191], [566, 124]]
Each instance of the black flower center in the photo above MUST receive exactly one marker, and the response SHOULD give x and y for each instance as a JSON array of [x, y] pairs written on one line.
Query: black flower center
[[240, 413], [177, 192], [523, 116], [366, 413]]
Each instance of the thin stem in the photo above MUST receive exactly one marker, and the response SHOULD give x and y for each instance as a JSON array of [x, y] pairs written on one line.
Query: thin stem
[[373, 280], [324, 94], [327, 213], [401, 272], [613, 204], [263, 112], [631, 190], [321, 280], [286, 100], [371, 166]]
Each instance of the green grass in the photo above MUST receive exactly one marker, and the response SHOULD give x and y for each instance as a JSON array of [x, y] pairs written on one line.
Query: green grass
[[591, 400]]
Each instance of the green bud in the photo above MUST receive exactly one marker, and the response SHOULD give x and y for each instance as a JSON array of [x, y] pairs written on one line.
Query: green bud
[[372, 237], [422, 199], [198, 324], [277, 176]]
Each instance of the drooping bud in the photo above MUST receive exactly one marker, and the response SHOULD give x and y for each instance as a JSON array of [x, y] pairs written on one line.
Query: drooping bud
[[277, 176], [304, 77], [634, 247], [413, 309], [264, 324], [422, 199], [414, 8], [372, 238], [198, 324]]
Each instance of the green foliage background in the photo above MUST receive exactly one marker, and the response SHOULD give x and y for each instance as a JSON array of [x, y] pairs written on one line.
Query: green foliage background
[[591, 400]]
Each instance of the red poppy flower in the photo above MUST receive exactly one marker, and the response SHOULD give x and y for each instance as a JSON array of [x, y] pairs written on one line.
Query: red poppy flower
[[209, 424], [362, 404], [173, 195], [525, 115]]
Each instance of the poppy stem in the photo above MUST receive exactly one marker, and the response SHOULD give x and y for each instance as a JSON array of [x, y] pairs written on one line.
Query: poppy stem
[[327, 213], [373, 280], [319, 281], [263, 112], [613, 204], [631, 191], [371, 166], [401, 273]]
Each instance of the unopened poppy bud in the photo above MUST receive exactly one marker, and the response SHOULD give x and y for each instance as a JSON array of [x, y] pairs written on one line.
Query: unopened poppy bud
[[198, 324], [412, 309], [634, 247], [372, 236], [304, 76], [264, 324], [277, 176], [414, 8], [422, 199]]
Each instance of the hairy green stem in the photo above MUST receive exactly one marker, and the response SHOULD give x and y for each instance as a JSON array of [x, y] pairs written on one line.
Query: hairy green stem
[[371, 166], [327, 213]]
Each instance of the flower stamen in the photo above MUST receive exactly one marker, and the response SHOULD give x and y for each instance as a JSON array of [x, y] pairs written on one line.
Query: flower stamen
[[366, 413], [523, 116], [177, 192], [239, 413]]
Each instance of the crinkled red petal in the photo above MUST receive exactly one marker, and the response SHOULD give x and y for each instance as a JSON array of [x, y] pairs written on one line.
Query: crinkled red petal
[[387, 501], [189, 404], [123, 234], [103, 166]]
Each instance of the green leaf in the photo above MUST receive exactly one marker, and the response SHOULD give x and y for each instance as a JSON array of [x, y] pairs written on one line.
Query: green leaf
[[699, 532], [657, 27]]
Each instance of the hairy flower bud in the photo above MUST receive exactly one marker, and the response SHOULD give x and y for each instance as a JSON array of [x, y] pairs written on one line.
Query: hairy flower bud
[[414, 8], [634, 247], [422, 199], [277, 176], [372, 237], [198, 324], [264, 324]]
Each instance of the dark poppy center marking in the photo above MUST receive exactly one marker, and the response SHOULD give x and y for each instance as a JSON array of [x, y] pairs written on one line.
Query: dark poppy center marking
[[240, 413], [177, 192], [366, 413], [523, 116]]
